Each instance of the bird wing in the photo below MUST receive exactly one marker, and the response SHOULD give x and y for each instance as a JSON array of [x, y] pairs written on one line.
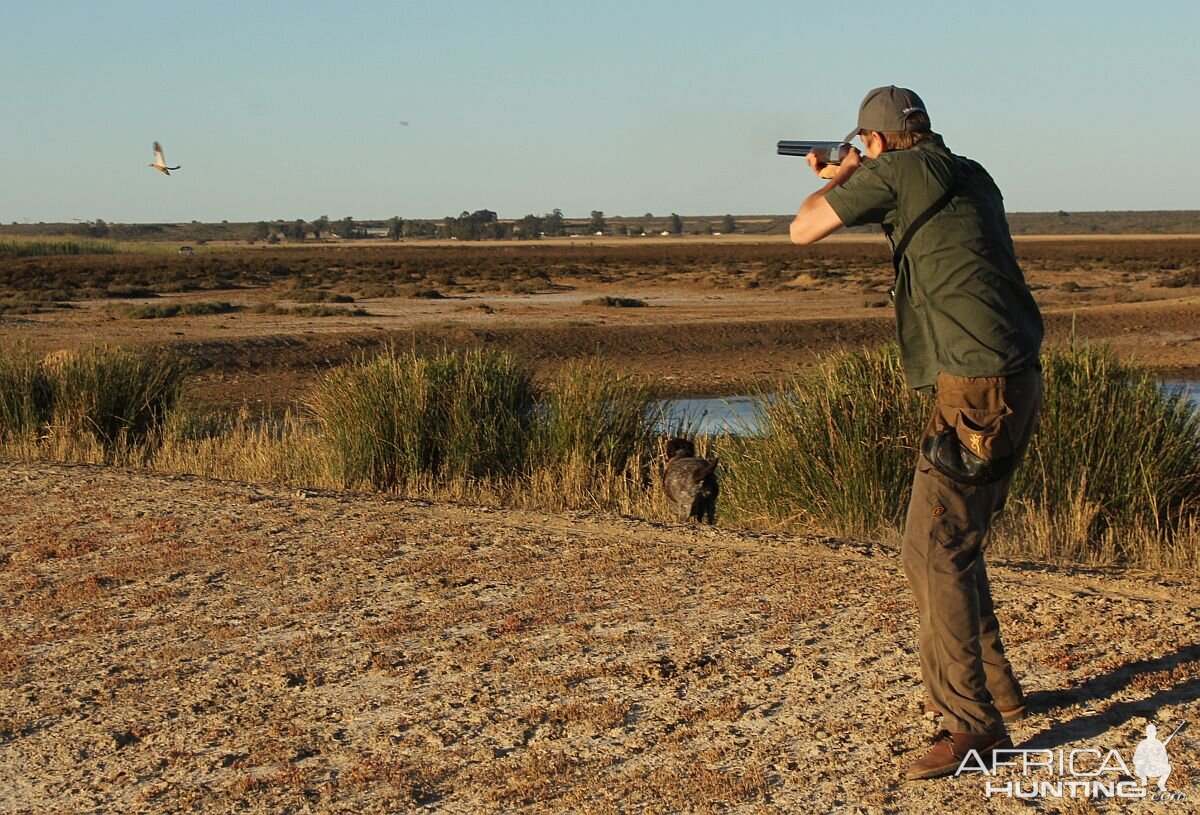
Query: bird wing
[[158, 154]]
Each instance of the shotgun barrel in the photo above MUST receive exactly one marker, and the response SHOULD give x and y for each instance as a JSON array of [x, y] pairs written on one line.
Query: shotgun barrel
[[827, 152]]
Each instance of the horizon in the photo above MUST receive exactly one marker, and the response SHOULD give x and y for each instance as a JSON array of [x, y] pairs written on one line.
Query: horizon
[[289, 110], [566, 216]]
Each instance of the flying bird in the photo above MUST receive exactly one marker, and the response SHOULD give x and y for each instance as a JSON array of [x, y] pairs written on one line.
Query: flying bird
[[160, 163]]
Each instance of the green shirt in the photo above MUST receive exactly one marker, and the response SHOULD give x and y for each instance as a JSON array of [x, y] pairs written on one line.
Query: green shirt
[[962, 304]]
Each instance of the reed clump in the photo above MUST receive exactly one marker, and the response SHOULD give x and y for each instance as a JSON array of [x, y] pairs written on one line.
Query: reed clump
[[1112, 474], [593, 442], [589, 413], [24, 396], [44, 248], [476, 423], [834, 449], [396, 418], [110, 399]]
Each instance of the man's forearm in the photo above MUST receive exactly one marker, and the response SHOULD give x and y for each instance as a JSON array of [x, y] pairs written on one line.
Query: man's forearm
[[816, 218]]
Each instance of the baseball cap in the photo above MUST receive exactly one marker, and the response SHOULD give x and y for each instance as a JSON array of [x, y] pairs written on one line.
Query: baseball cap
[[887, 110]]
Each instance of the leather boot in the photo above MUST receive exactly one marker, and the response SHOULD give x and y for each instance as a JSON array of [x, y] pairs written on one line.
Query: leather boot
[[949, 750]]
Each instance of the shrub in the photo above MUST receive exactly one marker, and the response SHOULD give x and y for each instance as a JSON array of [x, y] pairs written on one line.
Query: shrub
[[1187, 277], [115, 397], [300, 295], [615, 302], [400, 417], [591, 414], [836, 449], [154, 311], [320, 310], [316, 310]]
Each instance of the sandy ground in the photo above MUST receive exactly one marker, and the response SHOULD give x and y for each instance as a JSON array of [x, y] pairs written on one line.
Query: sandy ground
[[173, 644]]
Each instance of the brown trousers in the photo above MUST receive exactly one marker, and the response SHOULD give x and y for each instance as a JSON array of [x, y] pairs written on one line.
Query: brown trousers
[[963, 666]]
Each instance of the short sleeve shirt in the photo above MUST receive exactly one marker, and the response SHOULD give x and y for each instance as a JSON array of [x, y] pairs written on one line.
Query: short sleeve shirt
[[962, 304]]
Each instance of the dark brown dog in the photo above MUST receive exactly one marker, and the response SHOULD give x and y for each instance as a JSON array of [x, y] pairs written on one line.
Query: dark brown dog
[[690, 482]]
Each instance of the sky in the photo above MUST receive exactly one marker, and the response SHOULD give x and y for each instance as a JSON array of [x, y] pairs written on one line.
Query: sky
[[286, 110]]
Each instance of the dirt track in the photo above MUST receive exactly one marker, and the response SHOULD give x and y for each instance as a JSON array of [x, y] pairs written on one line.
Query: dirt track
[[172, 644]]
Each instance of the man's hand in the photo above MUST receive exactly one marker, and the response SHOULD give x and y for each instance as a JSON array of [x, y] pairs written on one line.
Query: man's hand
[[816, 217], [840, 172]]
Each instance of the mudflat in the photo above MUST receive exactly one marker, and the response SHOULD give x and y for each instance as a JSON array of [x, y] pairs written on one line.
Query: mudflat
[[697, 316]]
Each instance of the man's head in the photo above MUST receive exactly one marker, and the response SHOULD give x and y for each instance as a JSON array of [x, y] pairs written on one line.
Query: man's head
[[891, 118]]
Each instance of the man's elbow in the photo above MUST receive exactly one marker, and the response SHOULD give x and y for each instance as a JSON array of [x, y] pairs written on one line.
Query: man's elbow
[[800, 236], [804, 231], [815, 220]]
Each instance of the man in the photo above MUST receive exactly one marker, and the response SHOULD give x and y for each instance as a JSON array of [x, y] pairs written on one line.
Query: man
[[969, 328]]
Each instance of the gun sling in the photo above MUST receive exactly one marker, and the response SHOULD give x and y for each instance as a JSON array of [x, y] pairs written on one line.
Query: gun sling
[[898, 249]]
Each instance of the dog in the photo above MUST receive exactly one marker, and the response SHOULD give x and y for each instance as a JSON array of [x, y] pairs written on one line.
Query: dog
[[690, 482]]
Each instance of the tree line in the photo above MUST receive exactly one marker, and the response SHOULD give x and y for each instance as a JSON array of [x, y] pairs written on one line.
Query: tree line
[[483, 224]]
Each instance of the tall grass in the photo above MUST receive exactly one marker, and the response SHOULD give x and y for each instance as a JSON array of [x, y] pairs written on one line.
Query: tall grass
[[591, 414], [1115, 462], [408, 422], [835, 451], [243, 447], [399, 417], [24, 396], [1112, 474], [113, 398], [41, 248]]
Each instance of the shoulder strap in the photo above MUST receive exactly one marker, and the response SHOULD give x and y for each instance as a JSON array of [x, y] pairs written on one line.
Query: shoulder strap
[[922, 219]]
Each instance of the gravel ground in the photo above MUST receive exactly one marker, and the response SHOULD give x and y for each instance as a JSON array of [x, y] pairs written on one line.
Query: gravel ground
[[175, 644]]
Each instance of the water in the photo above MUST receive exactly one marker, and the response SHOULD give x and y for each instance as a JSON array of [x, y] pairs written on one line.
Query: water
[[734, 415], [1191, 389]]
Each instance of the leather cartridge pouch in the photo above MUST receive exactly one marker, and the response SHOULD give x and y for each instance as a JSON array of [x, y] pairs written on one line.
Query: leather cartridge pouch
[[969, 440]]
